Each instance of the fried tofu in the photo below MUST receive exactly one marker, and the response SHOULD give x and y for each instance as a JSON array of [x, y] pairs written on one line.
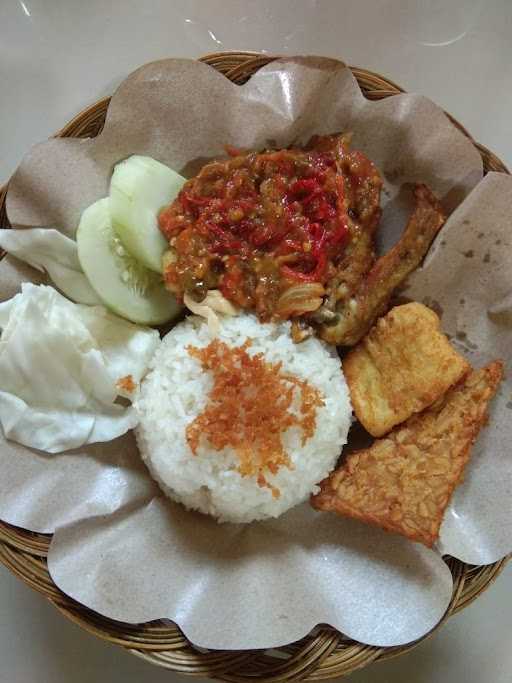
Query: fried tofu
[[403, 365], [404, 482]]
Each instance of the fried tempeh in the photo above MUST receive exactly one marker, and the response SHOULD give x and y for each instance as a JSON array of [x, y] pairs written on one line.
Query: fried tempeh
[[402, 366], [404, 482], [356, 315]]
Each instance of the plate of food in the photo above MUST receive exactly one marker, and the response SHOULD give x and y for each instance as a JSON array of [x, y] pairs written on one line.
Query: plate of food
[[251, 337]]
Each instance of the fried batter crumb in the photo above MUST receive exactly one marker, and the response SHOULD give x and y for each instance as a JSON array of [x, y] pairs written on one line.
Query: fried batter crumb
[[249, 408], [126, 384]]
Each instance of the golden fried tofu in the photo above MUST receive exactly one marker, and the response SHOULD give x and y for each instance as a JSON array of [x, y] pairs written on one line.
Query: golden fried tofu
[[404, 482], [403, 365]]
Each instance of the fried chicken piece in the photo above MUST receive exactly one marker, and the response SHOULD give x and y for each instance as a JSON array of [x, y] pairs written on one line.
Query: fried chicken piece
[[403, 365], [357, 260], [359, 254], [365, 181], [263, 228], [403, 483], [355, 315]]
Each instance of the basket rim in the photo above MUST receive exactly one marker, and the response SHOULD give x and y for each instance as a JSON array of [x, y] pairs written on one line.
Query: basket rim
[[326, 654]]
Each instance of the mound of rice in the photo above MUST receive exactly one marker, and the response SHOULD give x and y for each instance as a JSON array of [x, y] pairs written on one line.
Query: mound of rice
[[176, 390]]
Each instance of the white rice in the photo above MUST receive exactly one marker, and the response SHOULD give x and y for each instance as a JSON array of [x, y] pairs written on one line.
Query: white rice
[[176, 390]]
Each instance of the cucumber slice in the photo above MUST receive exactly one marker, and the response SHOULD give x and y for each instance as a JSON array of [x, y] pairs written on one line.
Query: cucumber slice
[[123, 284], [140, 187]]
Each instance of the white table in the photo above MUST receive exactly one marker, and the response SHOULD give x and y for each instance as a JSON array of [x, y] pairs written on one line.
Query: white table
[[57, 56]]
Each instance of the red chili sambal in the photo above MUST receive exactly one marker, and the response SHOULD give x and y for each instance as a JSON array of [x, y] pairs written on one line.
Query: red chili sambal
[[269, 229]]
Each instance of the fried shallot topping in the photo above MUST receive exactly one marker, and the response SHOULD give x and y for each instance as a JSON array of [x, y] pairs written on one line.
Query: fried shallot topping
[[249, 407], [126, 384]]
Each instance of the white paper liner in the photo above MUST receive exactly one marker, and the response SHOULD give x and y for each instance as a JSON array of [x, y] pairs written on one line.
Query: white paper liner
[[252, 586]]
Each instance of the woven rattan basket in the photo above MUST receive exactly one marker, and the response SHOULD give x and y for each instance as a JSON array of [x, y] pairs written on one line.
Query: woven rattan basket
[[327, 653]]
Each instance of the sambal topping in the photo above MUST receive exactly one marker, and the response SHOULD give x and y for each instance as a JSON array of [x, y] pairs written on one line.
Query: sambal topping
[[258, 225], [249, 408]]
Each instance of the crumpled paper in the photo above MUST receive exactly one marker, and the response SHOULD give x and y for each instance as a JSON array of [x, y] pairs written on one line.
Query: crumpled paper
[[129, 553]]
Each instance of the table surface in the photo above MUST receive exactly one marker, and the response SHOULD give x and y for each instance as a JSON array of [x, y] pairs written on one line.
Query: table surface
[[57, 57]]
